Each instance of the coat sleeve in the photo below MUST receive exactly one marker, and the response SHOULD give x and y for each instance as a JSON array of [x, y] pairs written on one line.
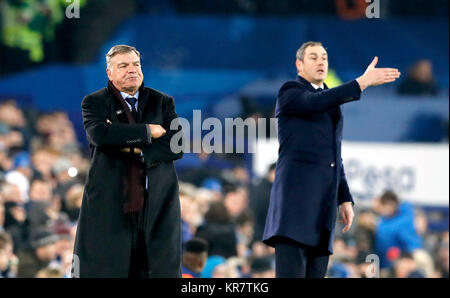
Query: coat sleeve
[[295, 99], [160, 149], [101, 134], [344, 194]]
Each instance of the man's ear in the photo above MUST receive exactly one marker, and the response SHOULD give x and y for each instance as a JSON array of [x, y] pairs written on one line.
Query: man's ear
[[299, 65], [108, 72]]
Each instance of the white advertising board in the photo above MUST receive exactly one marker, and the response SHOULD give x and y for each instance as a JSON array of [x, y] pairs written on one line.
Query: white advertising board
[[417, 172]]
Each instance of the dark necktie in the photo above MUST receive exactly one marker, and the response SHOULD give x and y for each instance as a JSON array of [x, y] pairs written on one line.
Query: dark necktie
[[132, 101]]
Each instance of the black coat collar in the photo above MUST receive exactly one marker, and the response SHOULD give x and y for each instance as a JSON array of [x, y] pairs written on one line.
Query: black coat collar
[[304, 82], [142, 99]]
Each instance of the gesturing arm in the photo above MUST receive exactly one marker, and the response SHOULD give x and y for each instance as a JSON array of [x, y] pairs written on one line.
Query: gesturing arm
[[294, 99]]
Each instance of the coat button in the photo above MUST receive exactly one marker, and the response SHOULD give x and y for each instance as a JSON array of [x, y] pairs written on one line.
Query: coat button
[[332, 164]]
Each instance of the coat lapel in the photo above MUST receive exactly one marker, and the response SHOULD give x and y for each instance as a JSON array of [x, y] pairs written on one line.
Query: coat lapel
[[142, 102]]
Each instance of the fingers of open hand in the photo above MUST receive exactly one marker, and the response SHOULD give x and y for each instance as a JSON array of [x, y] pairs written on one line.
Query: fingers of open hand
[[387, 75]]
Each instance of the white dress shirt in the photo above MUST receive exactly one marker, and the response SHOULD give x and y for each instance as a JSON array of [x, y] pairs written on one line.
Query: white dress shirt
[[125, 95]]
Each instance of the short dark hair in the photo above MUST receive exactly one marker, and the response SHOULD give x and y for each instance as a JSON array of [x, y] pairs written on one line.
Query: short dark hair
[[197, 245], [260, 265], [217, 213], [389, 197], [301, 51]]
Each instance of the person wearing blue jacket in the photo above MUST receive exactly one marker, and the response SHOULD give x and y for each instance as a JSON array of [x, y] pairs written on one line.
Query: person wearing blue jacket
[[310, 183], [395, 229]]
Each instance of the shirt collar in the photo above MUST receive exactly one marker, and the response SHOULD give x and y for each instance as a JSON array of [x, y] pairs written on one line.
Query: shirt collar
[[125, 95], [316, 86]]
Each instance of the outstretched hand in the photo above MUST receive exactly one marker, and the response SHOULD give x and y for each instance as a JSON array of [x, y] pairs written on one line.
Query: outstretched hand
[[377, 76]]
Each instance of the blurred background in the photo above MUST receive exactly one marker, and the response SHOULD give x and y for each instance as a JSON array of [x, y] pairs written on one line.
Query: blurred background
[[228, 59]]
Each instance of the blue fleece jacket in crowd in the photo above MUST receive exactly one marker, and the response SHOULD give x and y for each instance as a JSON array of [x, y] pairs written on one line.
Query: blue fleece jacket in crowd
[[397, 231]]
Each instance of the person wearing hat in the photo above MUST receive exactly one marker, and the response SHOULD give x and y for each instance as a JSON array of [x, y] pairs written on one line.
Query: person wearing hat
[[40, 253]]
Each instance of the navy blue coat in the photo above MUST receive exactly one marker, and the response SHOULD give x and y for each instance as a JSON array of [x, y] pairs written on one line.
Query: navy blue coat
[[310, 181]]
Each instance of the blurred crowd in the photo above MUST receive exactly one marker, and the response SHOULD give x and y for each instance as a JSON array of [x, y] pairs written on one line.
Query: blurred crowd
[[223, 210], [42, 174]]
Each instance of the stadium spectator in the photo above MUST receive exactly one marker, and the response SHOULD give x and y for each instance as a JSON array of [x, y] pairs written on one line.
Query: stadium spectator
[[194, 257], [43, 160], [39, 254], [5, 160], [8, 261], [364, 233], [259, 200], [262, 268], [419, 80], [395, 228], [16, 224], [235, 200], [245, 223], [2, 216], [214, 267], [71, 202], [219, 230], [442, 260], [405, 267], [191, 217], [49, 272]]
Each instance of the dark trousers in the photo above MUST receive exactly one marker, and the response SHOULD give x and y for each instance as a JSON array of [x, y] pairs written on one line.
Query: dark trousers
[[293, 259], [139, 267]]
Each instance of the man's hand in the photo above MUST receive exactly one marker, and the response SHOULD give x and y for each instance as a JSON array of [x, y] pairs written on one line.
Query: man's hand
[[157, 130], [377, 76], [347, 215]]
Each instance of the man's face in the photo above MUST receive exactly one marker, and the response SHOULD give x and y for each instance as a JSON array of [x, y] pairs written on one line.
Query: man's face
[[40, 191], [314, 67], [48, 252], [125, 72], [386, 209]]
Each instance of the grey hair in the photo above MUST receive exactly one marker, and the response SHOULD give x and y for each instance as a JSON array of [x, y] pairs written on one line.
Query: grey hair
[[119, 49], [301, 51]]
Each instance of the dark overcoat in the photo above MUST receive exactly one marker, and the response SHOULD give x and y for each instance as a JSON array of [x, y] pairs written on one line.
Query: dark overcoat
[[103, 238], [310, 181]]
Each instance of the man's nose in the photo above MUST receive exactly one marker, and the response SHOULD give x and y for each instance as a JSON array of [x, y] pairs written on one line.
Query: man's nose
[[132, 69]]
